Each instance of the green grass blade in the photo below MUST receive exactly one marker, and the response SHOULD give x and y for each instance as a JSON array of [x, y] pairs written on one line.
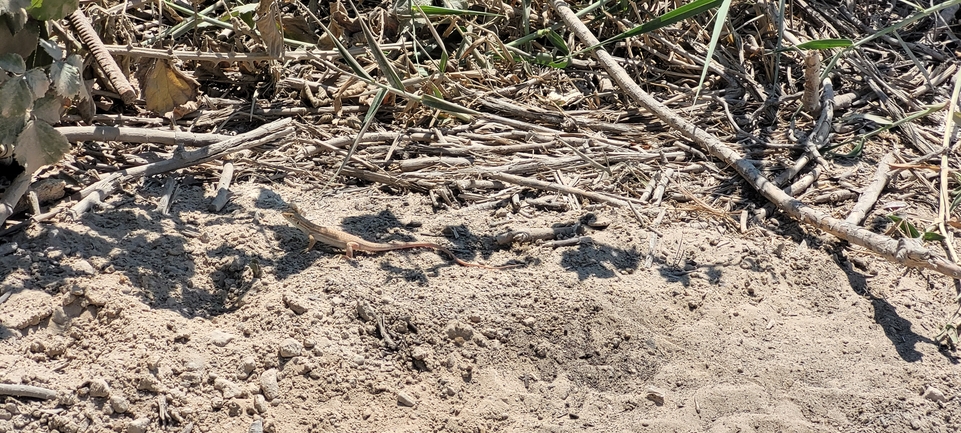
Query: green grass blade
[[436, 10], [719, 21], [820, 44], [368, 119], [382, 61], [680, 14]]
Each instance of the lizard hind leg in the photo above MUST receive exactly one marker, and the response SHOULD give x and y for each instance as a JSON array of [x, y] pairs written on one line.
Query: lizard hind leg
[[310, 242], [349, 249]]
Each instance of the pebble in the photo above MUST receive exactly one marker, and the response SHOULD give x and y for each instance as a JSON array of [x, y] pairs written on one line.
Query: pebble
[[256, 427], [459, 329], [138, 425], [248, 364], [405, 399], [529, 322], [220, 338], [268, 384], [82, 267], [295, 303], [934, 394], [99, 388], [119, 404], [227, 388], [656, 395], [290, 348], [148, 383], [260, 404], [420, 353]]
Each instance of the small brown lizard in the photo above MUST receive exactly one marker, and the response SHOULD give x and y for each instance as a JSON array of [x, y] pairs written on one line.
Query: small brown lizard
[[350, 243]]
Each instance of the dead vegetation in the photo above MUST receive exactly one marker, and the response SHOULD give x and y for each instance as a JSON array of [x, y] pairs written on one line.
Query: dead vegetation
[[493, 105]]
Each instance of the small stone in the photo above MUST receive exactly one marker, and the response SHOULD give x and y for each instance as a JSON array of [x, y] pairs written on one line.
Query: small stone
[[529, 322], [268, 384], [934, 394], [260, 404], [82, 267], [248, 364], [290, 348], [456, 329], [220, 338], [99, 388], [295, 303], [77, 290], [59, 316], [138, 425], [656, 395], [916, 424], [227, 388], [119, 404], [148, 383], [256, 427], [420, 353], [405, 399]]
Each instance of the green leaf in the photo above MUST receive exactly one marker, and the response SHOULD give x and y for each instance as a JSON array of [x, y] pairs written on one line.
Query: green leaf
[[45, 10], [66, 76], [680, 14], [12, 62], [932, 236], [15, 97], [368, 120], [435, 10], [558, 42], [52, 49], [38, 82], [719, 21], [821, 44], [905, 227], [382, 61], [450, 107], [10, 128], [48, 108], [39, 145]]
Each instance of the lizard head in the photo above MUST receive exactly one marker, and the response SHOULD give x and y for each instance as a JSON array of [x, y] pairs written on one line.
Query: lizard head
[[290, 211]]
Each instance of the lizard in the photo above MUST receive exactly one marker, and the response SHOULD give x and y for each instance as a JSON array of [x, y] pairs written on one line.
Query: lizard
[[350, 243]]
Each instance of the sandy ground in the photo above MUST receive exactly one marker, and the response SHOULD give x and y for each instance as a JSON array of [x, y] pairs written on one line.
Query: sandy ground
[[220, 322]]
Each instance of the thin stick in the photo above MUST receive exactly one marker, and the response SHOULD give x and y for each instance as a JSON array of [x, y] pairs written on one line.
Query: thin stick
[[98, 191], [27, 391], [871, 194], [223, 188], [554, 187], [138, 135]]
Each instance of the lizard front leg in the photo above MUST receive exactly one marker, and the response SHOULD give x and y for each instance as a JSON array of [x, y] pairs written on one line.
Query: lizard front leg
[[310, 242], [349, 249]]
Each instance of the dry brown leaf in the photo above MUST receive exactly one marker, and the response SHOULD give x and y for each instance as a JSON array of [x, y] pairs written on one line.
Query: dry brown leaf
[[269, 26], [338, 14], [165, 88]]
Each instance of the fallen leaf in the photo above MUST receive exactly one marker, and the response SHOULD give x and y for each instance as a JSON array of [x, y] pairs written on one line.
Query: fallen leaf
[[165, 88]]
